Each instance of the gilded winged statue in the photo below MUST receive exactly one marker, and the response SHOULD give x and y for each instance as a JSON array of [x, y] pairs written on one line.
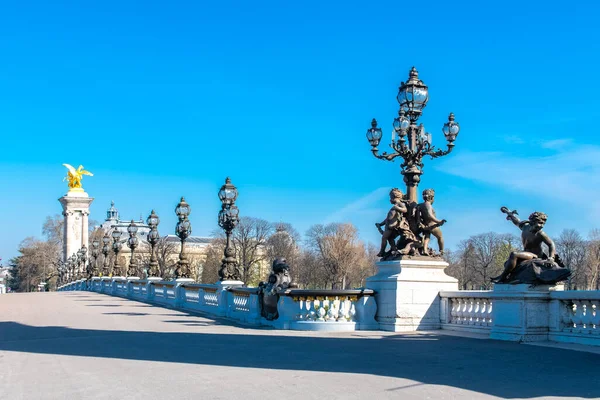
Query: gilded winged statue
[[74, 176]]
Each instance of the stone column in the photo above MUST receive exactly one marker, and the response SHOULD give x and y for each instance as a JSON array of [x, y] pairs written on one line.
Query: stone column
[[85, 232], [76, 208]]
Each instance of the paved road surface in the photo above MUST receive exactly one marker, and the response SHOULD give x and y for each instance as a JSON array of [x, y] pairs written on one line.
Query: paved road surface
[[79, 345]]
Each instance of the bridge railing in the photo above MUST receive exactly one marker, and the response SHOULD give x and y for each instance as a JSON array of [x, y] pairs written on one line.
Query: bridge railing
[[324, 310], [509, 312]]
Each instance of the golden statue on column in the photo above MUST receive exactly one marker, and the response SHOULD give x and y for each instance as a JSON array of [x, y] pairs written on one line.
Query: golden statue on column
[[74, 177]]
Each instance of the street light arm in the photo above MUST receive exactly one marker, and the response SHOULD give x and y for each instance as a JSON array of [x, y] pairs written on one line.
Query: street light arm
[[384, 155], [435, 153]]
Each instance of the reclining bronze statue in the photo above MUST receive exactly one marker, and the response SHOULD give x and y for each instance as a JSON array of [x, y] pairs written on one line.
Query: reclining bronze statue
[[532, 265]]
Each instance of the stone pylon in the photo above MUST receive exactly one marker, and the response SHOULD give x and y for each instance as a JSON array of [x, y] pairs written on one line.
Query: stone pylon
[[76, 209]]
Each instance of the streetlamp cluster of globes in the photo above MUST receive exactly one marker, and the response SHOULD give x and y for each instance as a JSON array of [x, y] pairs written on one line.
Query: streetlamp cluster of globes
[[79, 266]]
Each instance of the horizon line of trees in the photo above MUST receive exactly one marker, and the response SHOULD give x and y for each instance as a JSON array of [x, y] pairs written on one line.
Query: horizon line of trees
[[329, 256]]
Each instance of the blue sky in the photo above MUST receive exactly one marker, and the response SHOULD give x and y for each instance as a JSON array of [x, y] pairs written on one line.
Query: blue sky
[[163, 99]]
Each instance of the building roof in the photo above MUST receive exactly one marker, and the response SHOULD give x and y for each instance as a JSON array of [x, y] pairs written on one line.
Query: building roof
[[191, 239]]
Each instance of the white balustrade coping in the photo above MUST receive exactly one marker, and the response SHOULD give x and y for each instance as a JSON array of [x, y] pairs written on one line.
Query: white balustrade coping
[[466, 294], [576, 295]]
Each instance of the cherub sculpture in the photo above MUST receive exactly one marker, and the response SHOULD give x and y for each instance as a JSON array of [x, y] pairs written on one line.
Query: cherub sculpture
[[532, 265], [268, 292], [429, 224], [74, 176], [396, 224]]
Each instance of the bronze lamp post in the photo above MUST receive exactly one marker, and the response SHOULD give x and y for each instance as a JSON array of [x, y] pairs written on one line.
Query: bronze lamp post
[[409, 141], [183, 230], [153, 238], [116, 236], [228, 220], [132, 243], [105, 251], [95, 254]]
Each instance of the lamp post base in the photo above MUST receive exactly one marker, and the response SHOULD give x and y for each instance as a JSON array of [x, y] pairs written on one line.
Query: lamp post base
[[407, 293]]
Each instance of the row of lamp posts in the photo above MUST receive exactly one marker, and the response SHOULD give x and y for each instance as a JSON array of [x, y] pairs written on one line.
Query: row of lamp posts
[[228, 219]]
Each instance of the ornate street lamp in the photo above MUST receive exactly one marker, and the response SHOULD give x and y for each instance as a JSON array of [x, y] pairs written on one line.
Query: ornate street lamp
[[73, 261], [183, 230], [410, 141], [228, 220], [116, 236], [132, 243], [105, 251], [95, 254], [82, 255], [153, 238]]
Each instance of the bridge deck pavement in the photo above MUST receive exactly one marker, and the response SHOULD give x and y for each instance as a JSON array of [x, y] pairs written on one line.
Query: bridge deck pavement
[[79, 345]]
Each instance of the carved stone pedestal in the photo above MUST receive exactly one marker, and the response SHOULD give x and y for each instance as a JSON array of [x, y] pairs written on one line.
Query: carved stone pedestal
[[521, 312], [407, 293]]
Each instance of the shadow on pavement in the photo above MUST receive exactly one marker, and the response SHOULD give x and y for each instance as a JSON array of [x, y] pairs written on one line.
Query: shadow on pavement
[[495, 368]]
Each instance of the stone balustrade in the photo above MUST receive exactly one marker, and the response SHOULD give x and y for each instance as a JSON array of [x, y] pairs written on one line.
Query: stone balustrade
[[466, 310], [575, 316], [509, 312], [326, 310], [322, 310]]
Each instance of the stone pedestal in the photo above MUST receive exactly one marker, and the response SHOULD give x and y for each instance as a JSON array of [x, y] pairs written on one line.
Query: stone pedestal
[[407, 293], [76, 209], [521, 312]]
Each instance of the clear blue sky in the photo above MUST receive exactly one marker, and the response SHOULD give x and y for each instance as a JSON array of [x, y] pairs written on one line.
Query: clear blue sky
[[163, 99]]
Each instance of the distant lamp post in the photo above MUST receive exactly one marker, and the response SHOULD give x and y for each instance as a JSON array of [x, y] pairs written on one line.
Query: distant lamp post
[[73, 267], [183, 230], [153, 238], [410, 141], [66, 272], [105, 251], [95, 254], [228, 220], [132, 243], [116, 236], [82, 253]]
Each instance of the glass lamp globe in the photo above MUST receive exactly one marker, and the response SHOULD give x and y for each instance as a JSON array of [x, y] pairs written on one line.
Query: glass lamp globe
[[132, 228], [413, 94], [153, 219], [451, 129], [228, 193], [116, 234], [374, 134], [183, 209]]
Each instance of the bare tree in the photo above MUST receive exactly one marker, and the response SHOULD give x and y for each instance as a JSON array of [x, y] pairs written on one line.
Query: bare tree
[[462, 264], [284, 244], [571, 248], [309, 272], [249, 240], [166, 252], [592, 261], [489, 251], [212, 262], [337, 247]]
